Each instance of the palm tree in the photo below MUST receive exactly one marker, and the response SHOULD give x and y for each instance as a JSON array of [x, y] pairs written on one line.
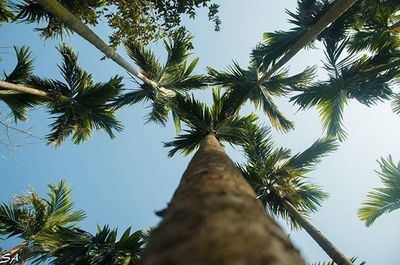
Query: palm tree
[[29, 214], [240, 81], [386, 199], [78, 106], [214, 210], [312, 18], [280, 182], [174, 76], [48, 228]]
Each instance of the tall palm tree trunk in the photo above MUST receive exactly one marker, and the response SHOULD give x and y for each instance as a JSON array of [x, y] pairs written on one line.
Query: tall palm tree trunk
[[321, 240], [69, 19], [214, 218]]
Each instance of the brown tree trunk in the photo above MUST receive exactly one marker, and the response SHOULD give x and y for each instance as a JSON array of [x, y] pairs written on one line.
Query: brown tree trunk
[[321, 240], [214, 218]]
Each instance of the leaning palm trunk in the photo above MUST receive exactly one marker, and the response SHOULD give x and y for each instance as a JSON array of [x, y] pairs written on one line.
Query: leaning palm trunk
[[321, 240], [69, 19], [214, 218], [15, 88], [337, 10]]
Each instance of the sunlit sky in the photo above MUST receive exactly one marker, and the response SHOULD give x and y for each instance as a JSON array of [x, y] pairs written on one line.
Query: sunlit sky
[[123, 181]]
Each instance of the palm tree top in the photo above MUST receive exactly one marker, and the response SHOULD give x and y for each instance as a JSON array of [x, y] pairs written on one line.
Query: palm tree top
[[277, 175], [78, 105], [201, 120], [172, 77]]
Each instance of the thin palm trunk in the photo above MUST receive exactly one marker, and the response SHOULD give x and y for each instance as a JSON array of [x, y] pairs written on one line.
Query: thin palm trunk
[[11, 87], [214, 218], [334, 12], [7, 88], [321, 240], [69, 19]]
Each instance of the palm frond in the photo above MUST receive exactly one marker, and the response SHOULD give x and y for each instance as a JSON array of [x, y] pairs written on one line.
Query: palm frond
[[177, 49], [396, 104], [310, 157], [244, 85], [19, 103], [80, 105], [386, 199], [75, 246], [60, 205], [6, 14], [144, 58], [23, 68]]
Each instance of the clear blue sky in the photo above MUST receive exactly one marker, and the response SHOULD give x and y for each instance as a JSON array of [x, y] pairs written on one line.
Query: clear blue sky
[[122, 182]]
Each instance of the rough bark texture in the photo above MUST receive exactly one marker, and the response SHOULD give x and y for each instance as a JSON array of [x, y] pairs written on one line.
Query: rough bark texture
[[214, 218], [321, 240]]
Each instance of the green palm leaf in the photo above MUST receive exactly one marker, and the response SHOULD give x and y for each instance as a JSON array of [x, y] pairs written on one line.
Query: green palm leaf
[[245, 84], [19, 103], [386, 199], [6, 14], [77, 247]]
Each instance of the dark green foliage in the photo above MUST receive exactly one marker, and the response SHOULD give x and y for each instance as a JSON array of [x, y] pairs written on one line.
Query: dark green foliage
[[31, 12], [376, 27], [18, 102], [146, 20], [28, 214], [202, 120], [243, 84], [73, 246], [175, 76], [6, 14], [79, 105], [385, 199], [276, 175], [48, 228], [141, 21]]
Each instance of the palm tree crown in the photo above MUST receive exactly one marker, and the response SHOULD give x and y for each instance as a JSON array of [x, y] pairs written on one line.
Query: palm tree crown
[[175, 76], [202, 121], [79, 105], [276, 175]]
